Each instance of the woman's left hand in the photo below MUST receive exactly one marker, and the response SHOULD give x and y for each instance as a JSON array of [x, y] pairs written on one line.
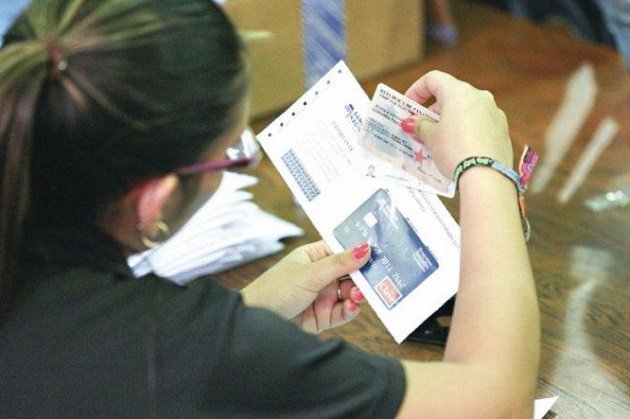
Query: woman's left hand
[[311, 286]]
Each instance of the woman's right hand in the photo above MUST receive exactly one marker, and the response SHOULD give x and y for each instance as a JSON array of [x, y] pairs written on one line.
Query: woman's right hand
[[492, 354], [470, 122]]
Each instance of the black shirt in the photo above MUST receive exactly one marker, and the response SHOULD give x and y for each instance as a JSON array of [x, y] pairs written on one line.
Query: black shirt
[[87, 339]]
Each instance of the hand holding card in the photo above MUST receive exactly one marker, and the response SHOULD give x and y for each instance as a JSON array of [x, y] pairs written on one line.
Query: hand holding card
[[400, 260], [394, 155], [414, 263]]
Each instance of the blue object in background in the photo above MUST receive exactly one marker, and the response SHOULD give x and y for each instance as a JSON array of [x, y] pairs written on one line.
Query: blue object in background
[[323, 37], [617, 17], [604, 21], [9, 11]]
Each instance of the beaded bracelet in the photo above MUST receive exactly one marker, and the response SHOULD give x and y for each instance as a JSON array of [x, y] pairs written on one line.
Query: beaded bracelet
[[526, 166]]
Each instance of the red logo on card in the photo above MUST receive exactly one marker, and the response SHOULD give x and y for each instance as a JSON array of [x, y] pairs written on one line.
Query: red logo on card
[[388, 291]]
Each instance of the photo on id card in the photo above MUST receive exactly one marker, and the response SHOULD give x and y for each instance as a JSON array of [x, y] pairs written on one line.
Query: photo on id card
[[400, 261]]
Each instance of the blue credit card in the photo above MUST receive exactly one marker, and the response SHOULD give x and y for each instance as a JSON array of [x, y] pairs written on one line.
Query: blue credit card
[[400, 261]]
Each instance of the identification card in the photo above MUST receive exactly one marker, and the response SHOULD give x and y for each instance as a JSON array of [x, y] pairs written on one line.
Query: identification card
[[393, 154]]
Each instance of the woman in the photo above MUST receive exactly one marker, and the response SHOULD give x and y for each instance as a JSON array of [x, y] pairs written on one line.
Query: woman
[[115, 118]]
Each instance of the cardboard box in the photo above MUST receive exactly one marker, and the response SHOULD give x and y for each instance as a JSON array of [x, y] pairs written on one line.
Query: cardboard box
[[381, 34]]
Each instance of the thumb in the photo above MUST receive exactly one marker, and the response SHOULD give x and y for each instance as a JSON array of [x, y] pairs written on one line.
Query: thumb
[[338, 265], [422, 127]]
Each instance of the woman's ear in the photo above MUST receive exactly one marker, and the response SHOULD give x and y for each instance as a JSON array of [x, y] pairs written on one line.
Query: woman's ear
[[151, 197]]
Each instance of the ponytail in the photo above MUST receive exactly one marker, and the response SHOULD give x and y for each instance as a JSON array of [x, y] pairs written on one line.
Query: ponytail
[[22, 73], [91, 88]]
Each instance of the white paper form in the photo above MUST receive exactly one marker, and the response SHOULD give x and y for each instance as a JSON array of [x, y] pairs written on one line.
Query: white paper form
[[314, 147], [543, 406]]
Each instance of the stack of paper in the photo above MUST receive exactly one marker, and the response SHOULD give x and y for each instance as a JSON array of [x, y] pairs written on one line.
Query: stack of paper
[[229, 230]]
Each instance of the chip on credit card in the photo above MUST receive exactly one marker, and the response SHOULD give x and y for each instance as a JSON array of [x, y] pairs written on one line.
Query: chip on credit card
[[400, 261]]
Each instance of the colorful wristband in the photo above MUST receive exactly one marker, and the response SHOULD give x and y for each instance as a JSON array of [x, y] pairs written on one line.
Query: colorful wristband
[[526, 166]]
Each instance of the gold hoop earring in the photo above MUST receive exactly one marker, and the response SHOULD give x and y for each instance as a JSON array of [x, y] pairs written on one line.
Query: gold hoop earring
[[162, 230]]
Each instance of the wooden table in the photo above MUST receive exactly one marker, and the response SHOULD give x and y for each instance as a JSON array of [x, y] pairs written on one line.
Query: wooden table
[[581, 259]]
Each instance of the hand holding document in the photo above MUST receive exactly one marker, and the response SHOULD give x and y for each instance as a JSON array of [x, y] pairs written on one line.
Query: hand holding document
[[323, 146], [393, 154], [315, 146]]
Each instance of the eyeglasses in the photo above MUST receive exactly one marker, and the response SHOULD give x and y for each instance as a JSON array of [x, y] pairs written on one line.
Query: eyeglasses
[[244, 154]]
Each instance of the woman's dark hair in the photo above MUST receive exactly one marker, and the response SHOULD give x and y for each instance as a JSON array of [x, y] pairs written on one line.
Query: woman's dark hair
[[97, 95]]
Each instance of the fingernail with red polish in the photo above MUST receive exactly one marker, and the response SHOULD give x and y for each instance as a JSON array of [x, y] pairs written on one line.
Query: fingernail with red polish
[[360, 250], [408, 125], [361, 246], [359, 295], [352, 306]]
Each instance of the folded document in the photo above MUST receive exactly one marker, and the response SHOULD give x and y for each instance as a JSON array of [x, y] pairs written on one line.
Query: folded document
[[315, 145], [229, 230]]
